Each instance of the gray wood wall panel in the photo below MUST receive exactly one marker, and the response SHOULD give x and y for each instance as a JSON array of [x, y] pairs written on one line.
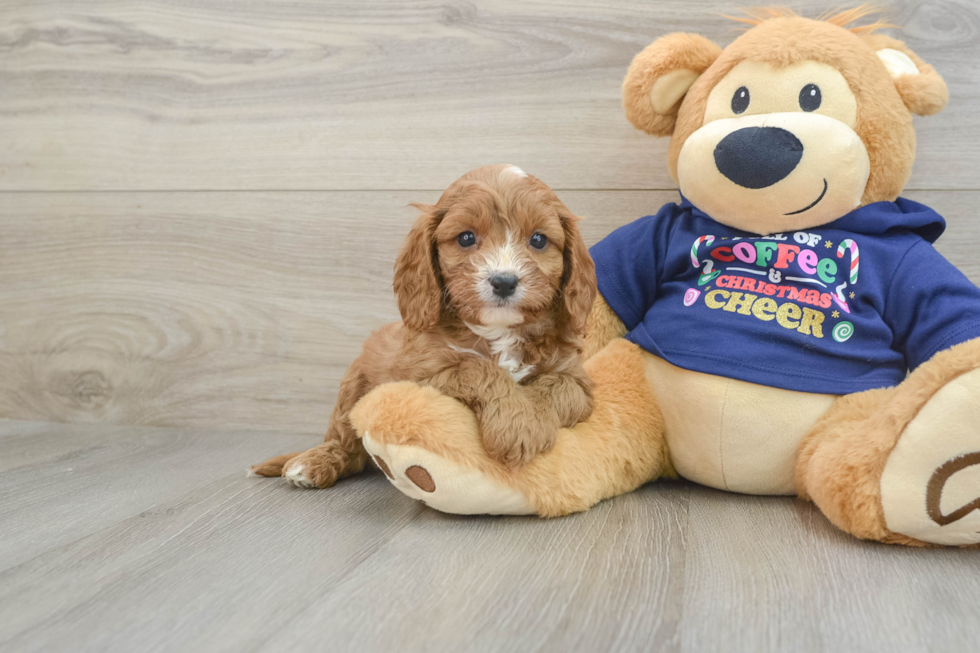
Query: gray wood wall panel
[[242, 309], [379, 94]]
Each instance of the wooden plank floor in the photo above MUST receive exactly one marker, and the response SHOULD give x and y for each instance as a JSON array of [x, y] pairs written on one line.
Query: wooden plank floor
[[153, 539]]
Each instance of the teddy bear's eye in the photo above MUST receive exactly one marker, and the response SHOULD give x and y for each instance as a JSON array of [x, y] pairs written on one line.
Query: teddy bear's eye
[[810, 97], [740, 101]]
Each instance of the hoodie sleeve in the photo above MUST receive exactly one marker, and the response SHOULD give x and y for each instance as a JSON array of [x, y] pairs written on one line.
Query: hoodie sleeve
[[629, 264], [930, 305]]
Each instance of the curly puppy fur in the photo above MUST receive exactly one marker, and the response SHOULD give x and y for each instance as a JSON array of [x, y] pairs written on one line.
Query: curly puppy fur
[[515, 360]]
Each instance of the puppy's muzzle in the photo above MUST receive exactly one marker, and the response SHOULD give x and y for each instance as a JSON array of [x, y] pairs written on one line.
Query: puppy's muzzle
[[504, 285]]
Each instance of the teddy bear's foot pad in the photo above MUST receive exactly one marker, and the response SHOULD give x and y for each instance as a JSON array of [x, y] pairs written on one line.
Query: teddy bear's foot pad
[[443, 484], [930, 487]]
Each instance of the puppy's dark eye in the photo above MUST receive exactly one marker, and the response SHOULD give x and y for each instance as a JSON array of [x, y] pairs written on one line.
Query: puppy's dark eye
[[810, 97], [538, 241], [466, 239], [740, 101]]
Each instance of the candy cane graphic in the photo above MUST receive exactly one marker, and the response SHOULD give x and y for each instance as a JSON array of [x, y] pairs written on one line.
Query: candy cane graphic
[[847, 244], [709, 274], [694, 248], [839, 298]]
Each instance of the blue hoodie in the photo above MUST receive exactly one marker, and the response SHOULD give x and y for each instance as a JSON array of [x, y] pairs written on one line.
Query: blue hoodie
[[848, 306]]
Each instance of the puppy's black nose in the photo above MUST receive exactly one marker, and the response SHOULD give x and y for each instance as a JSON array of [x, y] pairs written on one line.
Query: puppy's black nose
[[758, 157], [503, 285]]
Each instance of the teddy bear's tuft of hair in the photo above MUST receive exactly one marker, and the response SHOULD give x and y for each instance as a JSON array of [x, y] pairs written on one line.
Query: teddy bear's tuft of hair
[[839, 17]]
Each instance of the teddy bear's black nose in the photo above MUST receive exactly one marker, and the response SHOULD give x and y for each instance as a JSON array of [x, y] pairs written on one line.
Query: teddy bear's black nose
[[758, 157]]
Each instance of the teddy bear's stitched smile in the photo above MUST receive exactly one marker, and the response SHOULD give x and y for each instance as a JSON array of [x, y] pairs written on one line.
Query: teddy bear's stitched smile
[[813, 204]]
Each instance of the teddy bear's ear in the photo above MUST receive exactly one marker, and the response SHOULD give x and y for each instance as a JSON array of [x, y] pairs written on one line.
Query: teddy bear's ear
[[922, 89], [660, 76]]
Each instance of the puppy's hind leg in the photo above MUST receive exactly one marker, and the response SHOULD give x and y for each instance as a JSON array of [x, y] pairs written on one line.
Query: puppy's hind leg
[[273, 466], [324, 465], [341, 453]]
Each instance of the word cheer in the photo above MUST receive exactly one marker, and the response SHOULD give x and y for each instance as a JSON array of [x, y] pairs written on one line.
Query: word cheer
[[787, 315]]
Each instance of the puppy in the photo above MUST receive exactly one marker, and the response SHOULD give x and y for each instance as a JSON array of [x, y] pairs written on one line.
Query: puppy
[[494, 285]]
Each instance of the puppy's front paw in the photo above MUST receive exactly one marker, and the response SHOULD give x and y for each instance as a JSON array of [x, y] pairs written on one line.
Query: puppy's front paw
[[514, 435], [576, 411]]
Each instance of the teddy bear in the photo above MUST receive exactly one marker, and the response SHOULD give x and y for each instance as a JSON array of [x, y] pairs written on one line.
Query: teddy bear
[[757, 336]]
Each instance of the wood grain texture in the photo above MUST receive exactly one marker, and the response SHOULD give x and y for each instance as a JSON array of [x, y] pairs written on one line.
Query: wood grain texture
[[222, 562], [379, 94], [230, 310], [105, 475], [776, 576]]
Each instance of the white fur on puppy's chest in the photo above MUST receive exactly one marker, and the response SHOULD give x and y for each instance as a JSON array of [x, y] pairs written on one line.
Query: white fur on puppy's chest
[[507, 347]]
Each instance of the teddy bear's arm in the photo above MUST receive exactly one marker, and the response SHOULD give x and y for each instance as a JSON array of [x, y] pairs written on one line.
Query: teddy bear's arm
[[629, 265], [604, 327], [930, 306], [430, 447]]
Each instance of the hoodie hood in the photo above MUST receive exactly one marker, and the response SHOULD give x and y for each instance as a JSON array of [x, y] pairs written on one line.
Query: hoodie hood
[[882, 217]]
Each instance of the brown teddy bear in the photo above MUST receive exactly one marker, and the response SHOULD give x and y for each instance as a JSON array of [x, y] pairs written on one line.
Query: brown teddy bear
[[756, 337]]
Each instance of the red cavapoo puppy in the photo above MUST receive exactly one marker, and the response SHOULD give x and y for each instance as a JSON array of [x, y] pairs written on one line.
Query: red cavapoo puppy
[[494, 286]]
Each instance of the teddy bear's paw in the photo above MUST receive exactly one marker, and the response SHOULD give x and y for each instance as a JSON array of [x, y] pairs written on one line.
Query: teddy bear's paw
[[930, 487], [443, 484]]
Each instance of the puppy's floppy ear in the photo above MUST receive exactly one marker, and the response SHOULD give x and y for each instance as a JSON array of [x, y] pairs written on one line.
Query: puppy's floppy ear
[[578, 282], [659, 78], [922, 89], [418, 283]]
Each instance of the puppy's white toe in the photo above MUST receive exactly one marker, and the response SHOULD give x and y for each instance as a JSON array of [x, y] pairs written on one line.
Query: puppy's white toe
[[294, 476]]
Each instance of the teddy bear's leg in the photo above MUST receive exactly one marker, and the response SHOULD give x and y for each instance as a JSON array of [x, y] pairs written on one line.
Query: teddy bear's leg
[[902, 464], [429, 446]]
